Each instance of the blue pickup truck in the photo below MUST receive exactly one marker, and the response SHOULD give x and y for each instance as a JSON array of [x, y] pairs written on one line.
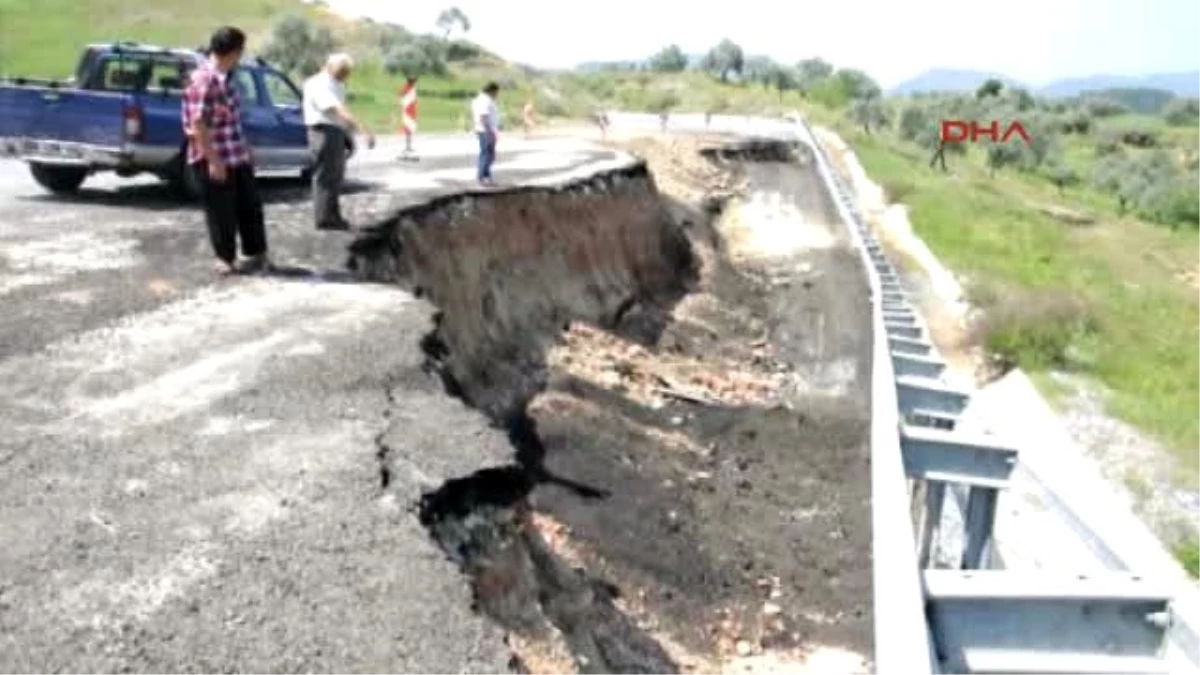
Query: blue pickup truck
[[121, 112]]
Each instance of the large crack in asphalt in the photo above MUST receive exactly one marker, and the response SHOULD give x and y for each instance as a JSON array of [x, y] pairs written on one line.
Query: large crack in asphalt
[[508, 272]]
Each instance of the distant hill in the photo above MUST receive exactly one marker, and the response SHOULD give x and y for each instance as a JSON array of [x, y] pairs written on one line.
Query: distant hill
[[955, 80], [1141, 100], [1180, 84], [608, 66], [950, 80], [628, 64]]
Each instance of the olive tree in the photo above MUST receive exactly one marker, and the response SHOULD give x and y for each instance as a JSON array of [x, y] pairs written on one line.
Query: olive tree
[[990, 87], [298, 47], [868, 112], [782, 79], [856, 84], [758, 69], [1061, 174], [724, 60], [669, 59], [809, 71], [414, 59], [450, 19]]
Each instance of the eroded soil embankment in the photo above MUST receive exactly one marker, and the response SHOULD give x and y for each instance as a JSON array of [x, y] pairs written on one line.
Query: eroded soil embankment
[[700, 456], [509, 272]]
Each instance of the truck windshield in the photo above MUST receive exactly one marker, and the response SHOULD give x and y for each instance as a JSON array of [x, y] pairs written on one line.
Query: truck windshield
[[281, 90]]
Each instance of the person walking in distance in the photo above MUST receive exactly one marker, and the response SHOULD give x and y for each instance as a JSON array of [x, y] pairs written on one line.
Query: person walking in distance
[[601, 119], [219, 154], [486, 117], [329, 124], [529, 117]]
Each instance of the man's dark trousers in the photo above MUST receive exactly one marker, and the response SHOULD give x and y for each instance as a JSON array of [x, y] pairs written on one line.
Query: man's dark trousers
[[328, 145], [487, 155], [233, 210]]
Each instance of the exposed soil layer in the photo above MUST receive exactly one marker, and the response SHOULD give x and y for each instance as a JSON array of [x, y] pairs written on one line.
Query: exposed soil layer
[[683, 378], [510, 269]]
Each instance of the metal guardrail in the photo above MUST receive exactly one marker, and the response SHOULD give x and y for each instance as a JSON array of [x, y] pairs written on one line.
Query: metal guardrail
[[979, 617], [975, 619], [902, 640]]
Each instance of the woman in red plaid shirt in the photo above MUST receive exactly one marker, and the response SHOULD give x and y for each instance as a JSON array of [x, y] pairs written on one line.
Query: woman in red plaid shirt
[[220, 155]]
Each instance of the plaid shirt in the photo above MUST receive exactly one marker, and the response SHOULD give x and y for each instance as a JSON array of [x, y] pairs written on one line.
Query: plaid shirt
[[210, 98]]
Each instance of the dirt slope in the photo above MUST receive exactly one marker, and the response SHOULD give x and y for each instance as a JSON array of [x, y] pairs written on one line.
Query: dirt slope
[[687, 402]]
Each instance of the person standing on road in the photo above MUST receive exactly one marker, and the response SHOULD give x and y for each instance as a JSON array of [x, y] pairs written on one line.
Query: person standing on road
[[485, 116], [529, 117], [329, 123], [219, 154], [601, 119]]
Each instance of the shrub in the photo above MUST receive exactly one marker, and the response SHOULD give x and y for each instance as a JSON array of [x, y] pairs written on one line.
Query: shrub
[[462, 50], [1032, 329], [913, 122], [1139, 138], [1182, 112], [896, 190], [662, 101], [1188, 555], [1103, 107], [1061, 175], [414, 59], [1108, 143], [1077, 122]]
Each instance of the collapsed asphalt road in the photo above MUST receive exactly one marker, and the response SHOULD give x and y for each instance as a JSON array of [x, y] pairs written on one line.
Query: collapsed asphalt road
[[190, 478], [224, 476]]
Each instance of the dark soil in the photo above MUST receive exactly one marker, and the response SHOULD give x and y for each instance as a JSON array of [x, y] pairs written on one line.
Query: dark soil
[[756, 535], [783, 492]]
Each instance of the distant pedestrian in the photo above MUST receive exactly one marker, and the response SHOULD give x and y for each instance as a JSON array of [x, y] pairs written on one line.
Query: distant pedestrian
[[529, 117], [601, 120], [329, 124], [220, 155], [407, 98], [486, 118]]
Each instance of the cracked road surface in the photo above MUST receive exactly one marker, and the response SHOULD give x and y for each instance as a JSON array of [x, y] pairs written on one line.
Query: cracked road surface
[[190, 472]]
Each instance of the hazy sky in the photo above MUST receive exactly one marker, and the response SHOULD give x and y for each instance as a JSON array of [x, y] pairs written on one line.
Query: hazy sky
[[1032, 40]]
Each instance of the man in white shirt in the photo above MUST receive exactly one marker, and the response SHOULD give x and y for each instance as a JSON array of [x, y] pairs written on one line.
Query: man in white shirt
[[486, 117], [329, 122]]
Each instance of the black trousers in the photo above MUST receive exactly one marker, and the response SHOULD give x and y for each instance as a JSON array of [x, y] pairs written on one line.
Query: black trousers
[[233, 210], [328, 145]]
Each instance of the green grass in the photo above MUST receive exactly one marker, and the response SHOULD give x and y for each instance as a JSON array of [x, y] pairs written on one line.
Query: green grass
[[33, 42], [1142, 339], [44, 38], [1189, 555]]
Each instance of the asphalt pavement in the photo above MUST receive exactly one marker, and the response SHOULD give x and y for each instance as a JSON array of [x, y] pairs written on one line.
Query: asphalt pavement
[[189, 464]]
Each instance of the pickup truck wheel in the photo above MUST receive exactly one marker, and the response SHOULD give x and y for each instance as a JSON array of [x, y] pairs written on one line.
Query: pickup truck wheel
[[59, 179]]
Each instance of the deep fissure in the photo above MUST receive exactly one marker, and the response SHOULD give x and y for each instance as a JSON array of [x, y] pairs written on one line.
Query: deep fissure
[[607, 252]]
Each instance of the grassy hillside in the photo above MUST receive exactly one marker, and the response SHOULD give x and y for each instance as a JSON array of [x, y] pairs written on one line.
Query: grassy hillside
[[44, 39], [1134, 327]]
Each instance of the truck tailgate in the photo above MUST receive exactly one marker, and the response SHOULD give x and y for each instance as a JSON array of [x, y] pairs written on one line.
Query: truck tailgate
[[67, 115]]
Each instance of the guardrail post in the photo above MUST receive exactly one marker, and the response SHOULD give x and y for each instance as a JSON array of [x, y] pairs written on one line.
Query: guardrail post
[[978, 526], [935, 497]]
